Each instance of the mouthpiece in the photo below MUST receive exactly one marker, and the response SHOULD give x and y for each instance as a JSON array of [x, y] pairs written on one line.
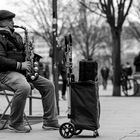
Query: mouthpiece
[[16, 26], [22, 27]]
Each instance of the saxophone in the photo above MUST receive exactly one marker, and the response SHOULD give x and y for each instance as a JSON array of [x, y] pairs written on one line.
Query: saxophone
[[29, 51]]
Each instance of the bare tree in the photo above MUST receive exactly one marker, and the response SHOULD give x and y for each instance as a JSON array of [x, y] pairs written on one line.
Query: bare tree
[[37, 15], [87, 31], [115, 12], [116, 16], [134, 26]]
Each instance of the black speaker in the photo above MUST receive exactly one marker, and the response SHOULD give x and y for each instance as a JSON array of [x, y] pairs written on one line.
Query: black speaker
[[88, 70]]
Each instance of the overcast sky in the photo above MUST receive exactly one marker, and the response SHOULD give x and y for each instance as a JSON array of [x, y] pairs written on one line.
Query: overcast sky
[[6, 4], [9, 5]]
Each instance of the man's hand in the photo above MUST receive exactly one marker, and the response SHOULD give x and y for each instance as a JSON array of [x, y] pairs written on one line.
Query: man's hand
[[26, 66]]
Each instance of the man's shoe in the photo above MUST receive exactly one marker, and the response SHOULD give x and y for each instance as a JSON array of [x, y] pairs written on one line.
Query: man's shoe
[[51, 126], [19, 129]]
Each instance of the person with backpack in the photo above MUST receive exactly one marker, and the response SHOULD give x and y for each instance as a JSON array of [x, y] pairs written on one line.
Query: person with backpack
[[105, 76]]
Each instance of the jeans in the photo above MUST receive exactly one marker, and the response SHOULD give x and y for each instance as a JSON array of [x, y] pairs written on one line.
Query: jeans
[[18, 83]]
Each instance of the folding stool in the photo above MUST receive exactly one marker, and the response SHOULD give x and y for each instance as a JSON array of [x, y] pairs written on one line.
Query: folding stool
[[4, 88]]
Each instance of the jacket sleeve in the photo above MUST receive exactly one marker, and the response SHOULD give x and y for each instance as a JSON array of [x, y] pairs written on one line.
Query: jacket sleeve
[[6, 63]]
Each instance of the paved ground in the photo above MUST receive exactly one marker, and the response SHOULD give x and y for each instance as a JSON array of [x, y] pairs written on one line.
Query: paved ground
[[120, 120]]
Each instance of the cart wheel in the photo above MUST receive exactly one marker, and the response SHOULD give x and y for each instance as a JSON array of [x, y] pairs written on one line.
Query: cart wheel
[[67, 130], [77, 132]]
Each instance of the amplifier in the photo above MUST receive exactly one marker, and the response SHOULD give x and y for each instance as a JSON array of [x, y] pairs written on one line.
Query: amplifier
[[88, 70]]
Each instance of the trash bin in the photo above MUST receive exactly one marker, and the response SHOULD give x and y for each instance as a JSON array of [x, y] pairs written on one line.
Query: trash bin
[[137, 89]]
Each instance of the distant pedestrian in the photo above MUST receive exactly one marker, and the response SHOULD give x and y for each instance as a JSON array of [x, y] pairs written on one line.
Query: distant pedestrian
[[137, 62], [105, 76], [128, 69], [128, 72], [61, 68]]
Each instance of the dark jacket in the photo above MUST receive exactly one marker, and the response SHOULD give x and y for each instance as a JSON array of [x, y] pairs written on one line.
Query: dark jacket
[[11, 50], [128, 70], [137, 63], [105, 72], [59, 58]]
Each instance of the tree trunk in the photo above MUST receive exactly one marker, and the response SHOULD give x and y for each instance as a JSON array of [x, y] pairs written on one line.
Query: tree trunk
[[116, 61]]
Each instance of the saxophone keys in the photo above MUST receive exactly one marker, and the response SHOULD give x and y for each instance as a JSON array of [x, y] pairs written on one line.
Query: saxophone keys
[[36, 75], [35, 63], [33, 77], [35, 69]]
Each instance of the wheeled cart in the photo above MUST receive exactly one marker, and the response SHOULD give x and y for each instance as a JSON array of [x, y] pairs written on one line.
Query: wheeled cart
[[84, 110]]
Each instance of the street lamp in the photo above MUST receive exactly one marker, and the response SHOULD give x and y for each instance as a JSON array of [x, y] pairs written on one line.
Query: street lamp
[[54, 33]]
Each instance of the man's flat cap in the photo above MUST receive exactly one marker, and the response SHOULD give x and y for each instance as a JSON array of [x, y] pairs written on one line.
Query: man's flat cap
[[5, 14]]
